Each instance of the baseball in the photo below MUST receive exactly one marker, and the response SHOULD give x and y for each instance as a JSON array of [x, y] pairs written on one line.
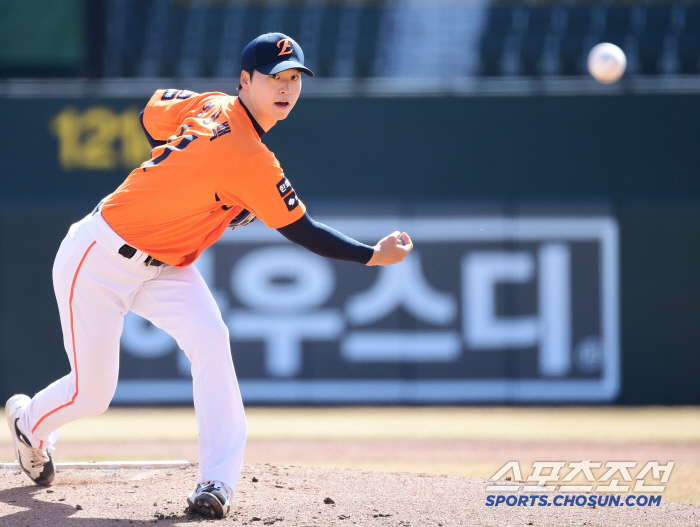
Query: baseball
[[606, 62]]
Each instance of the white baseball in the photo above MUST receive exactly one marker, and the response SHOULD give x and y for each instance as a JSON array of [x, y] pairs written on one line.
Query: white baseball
[[606, 62]]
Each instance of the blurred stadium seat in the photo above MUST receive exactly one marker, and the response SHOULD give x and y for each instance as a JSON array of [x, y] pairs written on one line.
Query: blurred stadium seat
[[531, 54], [658, 39], [689, 53], [651, 48], [372, 38]]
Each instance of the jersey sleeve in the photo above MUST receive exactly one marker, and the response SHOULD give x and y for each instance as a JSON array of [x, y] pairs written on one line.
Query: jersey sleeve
[[259, 185], [168, 108]]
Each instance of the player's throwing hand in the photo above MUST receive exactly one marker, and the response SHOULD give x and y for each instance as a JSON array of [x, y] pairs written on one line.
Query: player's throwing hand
[[391, 249]]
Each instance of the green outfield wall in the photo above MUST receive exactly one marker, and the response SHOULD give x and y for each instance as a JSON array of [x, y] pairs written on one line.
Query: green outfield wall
[[631, 159], [635, 146]]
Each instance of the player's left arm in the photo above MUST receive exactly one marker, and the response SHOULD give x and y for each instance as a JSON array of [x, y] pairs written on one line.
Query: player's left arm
[[325, 241], [259, 185]]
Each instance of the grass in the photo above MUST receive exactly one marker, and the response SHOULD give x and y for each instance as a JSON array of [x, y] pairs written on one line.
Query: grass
[[645, 424]]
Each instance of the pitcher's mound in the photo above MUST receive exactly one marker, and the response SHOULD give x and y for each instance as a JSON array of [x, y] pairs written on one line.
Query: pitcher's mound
[[288, 496]]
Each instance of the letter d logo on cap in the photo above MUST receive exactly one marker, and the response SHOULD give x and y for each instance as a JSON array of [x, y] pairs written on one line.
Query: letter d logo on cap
[[287, 46]]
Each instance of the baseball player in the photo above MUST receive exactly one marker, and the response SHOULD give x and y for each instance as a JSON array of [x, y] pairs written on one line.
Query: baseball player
[[208, 170]]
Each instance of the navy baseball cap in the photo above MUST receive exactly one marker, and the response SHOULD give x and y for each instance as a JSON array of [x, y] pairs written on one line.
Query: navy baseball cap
[[273, 52]]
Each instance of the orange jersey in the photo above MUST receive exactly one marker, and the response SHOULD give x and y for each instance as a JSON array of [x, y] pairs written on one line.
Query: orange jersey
[[213, 165]]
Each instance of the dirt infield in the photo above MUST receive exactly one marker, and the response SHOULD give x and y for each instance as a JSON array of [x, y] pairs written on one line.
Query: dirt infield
[[477, 459], [294, 497], [387, 448]]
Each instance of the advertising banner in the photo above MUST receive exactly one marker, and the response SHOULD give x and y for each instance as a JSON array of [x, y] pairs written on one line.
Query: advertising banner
[[485, 309]]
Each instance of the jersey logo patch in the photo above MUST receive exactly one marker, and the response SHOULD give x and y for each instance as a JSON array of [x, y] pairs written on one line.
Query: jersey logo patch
[[291, 201], [169, 94], [220, 130], [284, 186], [184, 94]]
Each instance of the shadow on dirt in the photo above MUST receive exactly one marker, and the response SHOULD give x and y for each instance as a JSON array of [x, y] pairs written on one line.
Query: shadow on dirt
[[39, 513]]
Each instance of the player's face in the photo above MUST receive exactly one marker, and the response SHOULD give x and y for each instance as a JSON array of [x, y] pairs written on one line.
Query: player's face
[[274, 96]]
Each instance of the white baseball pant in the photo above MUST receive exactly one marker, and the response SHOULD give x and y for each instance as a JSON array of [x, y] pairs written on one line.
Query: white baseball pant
[[95, 287]]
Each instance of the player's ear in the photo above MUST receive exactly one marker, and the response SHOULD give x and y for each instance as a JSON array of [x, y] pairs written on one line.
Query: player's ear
[[245, 80]]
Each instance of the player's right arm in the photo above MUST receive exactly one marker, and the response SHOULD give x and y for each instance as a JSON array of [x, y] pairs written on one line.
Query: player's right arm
[[153, 142], [167, 109]]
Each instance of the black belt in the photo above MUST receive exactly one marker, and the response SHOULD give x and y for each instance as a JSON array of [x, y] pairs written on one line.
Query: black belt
[[128, 252]]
